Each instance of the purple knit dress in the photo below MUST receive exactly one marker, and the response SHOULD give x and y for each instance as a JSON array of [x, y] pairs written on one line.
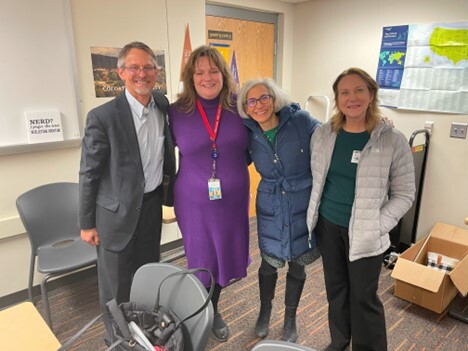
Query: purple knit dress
[[215, 232]]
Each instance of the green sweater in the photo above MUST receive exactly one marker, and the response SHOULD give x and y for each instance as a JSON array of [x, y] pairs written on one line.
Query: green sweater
[[338, 193]]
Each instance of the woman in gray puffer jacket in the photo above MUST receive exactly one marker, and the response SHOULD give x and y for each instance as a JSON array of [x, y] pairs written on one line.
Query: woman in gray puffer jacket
[[363, 183], [279, 139]]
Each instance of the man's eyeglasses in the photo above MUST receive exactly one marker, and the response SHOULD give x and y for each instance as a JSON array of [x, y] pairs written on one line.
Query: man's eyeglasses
[[136, 69], [264, 99]]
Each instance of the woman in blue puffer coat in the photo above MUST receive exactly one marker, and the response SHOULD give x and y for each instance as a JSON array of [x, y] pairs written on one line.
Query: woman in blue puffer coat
[[279, 142]]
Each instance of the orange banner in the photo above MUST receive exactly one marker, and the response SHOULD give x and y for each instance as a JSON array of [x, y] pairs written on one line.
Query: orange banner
[[186, 51]]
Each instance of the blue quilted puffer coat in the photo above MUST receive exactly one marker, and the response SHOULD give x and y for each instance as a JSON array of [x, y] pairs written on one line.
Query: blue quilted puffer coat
[[286, 182]]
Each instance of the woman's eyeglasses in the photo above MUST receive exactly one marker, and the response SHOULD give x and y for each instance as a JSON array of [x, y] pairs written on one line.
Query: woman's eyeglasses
[[252, 102]]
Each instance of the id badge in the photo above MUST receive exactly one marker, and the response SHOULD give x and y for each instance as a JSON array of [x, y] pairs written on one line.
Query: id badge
[[356, 156], [214, 189]]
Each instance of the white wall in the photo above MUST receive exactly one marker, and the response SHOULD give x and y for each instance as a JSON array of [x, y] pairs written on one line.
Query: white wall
[[332, 35], [318, 39]]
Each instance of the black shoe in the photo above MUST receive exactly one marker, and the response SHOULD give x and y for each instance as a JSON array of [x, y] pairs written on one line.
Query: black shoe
[[292, 297], [333, 348], [220, 330], [263, 321], [290, 329], [267, 285], [107, 339]]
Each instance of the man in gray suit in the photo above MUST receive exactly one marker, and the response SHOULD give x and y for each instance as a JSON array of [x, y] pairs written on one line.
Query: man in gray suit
[[126, 173]]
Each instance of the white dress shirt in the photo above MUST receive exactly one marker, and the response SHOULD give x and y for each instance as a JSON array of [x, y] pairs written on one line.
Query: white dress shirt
[[149, 126]]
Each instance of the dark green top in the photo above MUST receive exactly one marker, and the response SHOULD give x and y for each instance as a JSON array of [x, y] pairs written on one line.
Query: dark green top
[[338, 193], [270, 134]]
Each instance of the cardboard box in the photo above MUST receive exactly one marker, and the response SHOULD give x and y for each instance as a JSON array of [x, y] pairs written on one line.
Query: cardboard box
[[425, 286]]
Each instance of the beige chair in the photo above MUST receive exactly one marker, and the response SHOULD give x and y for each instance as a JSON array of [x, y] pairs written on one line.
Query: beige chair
[[22, 328]]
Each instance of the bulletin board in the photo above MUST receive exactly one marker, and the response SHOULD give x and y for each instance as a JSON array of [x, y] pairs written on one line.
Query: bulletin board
[[38, 72]]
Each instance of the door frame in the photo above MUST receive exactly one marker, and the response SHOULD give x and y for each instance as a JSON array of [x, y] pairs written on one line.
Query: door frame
[[248, 15]]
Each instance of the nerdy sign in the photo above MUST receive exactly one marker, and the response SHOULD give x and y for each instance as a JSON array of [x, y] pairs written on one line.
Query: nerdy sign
[[44, 126]]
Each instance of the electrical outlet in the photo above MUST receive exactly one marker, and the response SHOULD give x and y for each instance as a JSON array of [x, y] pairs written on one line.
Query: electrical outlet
[[429, 125], [458, 130]]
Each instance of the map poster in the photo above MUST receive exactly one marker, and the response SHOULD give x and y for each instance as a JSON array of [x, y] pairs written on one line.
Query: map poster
[[429, 72], [436, 68], [391, 63]]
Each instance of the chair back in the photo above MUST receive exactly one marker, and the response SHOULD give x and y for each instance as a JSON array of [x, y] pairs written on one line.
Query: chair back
[[277, 345], [49, 213], [182, 294]]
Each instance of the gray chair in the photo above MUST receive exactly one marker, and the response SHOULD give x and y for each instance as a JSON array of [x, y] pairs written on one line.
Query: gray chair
[[275, 345], [182, 294], [50, 216]]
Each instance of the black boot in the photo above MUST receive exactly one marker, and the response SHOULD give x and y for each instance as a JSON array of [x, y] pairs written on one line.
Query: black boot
[[220, 330], [267, 284], [293, 294]]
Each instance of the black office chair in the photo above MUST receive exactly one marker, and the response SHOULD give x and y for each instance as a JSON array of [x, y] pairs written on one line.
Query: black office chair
[[50, 216], [183, 295]]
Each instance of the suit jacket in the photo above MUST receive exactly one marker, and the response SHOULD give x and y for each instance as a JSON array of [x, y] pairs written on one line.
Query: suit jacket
[[111, 175]]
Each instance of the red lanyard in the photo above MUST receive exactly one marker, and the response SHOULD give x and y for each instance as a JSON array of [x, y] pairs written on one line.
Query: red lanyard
[[211, 133]]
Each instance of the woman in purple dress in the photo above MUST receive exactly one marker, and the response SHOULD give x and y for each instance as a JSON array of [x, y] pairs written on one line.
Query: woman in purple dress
[[212, 184]]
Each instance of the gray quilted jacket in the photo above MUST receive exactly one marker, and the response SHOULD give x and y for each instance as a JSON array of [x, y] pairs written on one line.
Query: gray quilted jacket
[[385, 186]]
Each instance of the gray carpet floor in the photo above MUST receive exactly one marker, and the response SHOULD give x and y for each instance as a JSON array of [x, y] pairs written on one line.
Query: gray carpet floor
[[409, 327]]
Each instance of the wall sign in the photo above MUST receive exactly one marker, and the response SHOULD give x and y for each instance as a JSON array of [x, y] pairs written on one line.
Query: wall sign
[[219, 35], [44, 126]]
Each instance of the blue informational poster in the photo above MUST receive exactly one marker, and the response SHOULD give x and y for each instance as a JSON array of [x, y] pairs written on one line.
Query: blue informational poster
[[392, 56]]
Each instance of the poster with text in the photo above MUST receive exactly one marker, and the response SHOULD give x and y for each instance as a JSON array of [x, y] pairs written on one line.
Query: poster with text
[[107, 82], [391, 63]]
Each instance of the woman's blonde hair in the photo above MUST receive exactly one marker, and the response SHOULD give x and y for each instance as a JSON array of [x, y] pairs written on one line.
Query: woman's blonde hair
[[187, 98], [373, 111]]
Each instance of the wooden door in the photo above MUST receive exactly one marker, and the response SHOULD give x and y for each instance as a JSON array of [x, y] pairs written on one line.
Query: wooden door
[[253, 44]]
